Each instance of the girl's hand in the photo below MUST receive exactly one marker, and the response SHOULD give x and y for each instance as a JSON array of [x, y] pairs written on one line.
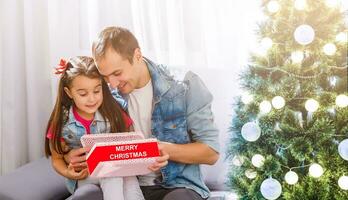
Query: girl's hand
[[72, 174], [77, 158]]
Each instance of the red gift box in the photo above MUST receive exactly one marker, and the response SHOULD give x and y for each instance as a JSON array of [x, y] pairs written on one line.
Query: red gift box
[[119, 154]]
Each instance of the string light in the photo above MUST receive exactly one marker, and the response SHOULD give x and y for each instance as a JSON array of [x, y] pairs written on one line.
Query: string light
[[278, 102], [259, 50], [300, 4], [341, 37], [237, 161], [329, 49], [247, 98], [331, 3], [257, 160], [291, 178], [277, 68], [311, 105], [342, 100], [250, 174], [297, 56], [266, 43], [315, 170], [273, 6], [265, 107], [332, 80]]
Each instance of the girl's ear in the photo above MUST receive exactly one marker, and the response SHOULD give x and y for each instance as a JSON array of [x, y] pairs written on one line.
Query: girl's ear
[[67, 91]]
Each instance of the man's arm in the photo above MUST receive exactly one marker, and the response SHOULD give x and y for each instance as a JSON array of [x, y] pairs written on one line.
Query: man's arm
[[192, 153], [204, 148]]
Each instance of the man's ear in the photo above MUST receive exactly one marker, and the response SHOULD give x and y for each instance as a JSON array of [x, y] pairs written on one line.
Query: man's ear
[[67, 91], [137, 55]]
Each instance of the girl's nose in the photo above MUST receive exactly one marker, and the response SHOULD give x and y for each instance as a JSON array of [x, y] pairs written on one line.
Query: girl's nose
[[91, 98]]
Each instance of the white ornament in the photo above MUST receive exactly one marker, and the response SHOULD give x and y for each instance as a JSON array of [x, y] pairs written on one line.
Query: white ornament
[[273, 6], [304, 34], [278, 102], [257, 160], [343, 182], [329, 49], [251, 131], [315, 170], [237, 161], [265, 107], [300, 4], [266, 43], [342, 37], [342, 100], [311, 105], [297, 56], [251, 174], [331, 3], [247, 98], [271, 189], [343, 149], [291, 178]]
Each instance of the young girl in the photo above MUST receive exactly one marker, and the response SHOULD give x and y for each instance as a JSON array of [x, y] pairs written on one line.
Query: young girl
[[84, 105]]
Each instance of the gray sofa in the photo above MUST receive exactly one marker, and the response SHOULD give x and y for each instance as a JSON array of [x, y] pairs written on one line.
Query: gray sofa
[[38, 181]]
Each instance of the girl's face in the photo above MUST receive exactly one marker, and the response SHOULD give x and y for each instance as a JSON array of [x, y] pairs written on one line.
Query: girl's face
[[87, 95]]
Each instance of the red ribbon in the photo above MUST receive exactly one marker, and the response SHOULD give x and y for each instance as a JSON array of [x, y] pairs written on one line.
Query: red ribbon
[[60, 69]]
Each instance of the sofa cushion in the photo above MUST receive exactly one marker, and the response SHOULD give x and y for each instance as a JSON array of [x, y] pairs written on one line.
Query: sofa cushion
[[36, 180]]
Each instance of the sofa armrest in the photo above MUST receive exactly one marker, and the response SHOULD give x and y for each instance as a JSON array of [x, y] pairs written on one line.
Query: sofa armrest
[[35, 180]]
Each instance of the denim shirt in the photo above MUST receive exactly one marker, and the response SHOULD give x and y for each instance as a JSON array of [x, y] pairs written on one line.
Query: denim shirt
[[182, 114], [72, 132]]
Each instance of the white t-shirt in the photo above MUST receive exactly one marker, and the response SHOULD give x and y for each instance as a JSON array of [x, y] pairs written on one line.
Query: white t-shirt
[[140, 110]]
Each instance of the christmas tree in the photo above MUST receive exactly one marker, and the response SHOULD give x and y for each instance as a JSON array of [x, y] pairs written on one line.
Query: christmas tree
[[289, 133]]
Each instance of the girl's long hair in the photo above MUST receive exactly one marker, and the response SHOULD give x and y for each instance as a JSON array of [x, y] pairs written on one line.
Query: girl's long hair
[[109, 109]]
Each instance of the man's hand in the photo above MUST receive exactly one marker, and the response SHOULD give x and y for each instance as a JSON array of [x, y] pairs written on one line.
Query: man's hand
[[160, 161], [77, 158]]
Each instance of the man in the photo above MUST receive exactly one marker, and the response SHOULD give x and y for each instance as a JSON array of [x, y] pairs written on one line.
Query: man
[[177, 113]]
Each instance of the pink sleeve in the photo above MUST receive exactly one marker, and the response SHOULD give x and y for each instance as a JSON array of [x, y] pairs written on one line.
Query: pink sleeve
[[49, 135], [127, 119]]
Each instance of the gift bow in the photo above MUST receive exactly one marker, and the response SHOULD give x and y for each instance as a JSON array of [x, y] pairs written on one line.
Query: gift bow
[[60, 69]]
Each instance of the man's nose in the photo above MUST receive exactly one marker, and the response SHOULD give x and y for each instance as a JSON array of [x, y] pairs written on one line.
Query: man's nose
[[113, 82]]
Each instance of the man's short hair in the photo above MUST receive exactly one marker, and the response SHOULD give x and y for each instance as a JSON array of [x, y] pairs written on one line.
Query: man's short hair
[[118, 38]]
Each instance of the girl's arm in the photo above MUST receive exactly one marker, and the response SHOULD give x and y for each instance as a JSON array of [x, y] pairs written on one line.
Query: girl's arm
[[63, 169]]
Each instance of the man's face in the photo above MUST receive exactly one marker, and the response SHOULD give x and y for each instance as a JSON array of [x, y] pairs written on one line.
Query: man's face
[[117, 71]]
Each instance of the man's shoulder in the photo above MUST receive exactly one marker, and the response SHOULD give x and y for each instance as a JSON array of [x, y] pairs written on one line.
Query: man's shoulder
[[169, 72]]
